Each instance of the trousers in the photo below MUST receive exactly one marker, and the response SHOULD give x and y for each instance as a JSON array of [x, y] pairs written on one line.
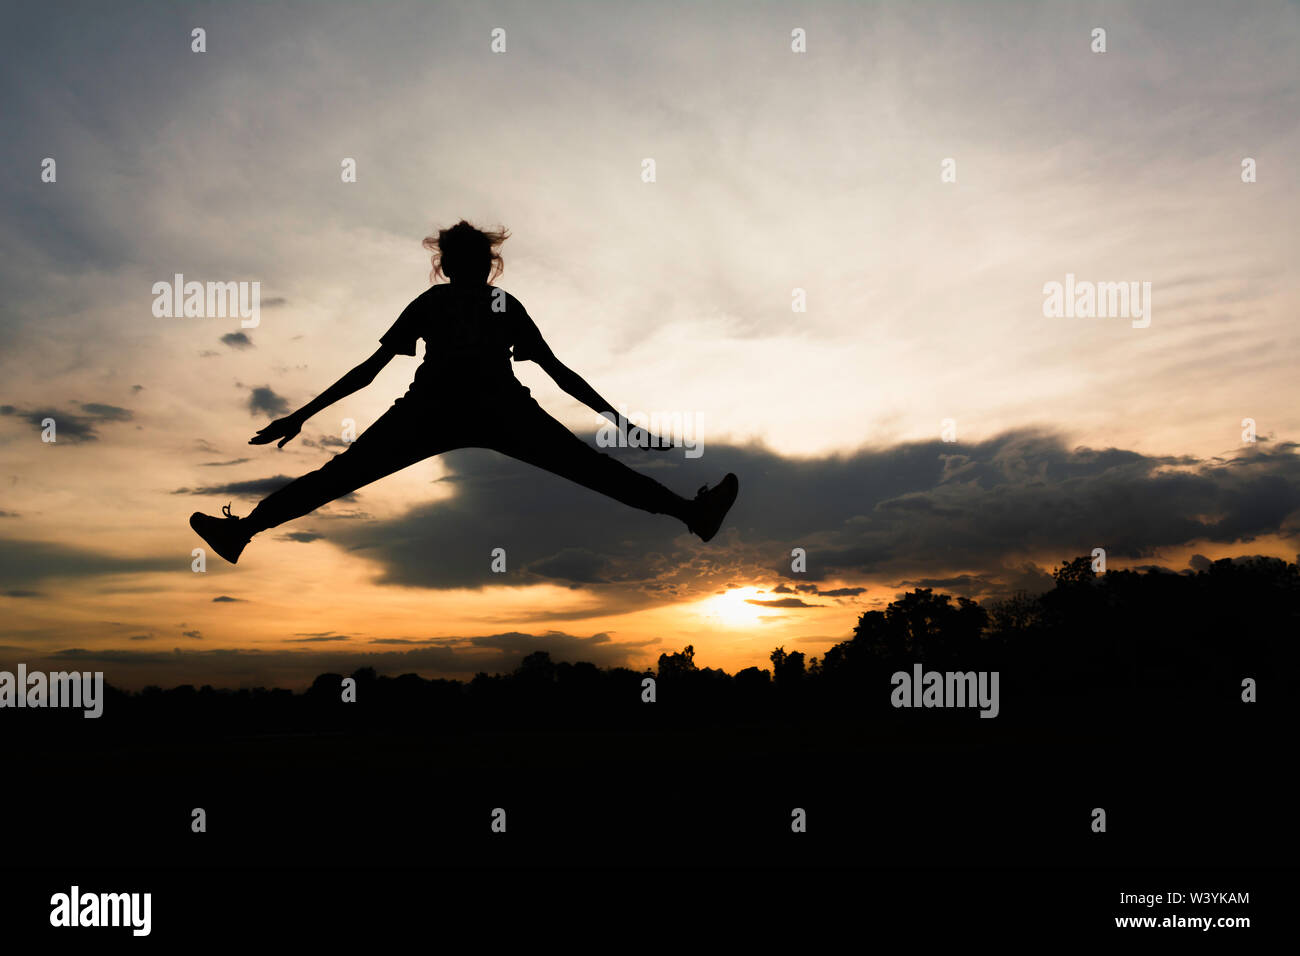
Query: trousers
[[414, 429]]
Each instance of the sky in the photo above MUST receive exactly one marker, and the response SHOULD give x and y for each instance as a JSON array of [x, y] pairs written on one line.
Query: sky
[[920, 422]]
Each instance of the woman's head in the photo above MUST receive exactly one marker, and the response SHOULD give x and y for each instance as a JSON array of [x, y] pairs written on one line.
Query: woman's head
[[465, 253]]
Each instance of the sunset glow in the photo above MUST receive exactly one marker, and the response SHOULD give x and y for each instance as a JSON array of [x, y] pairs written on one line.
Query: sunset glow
[[734, 608]]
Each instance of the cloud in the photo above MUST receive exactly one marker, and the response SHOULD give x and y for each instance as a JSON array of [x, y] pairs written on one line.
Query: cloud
[[25, 562], [226, 599], [106, 413], [571, 564], [253, 487], [302, 537], [980, 512], [257, 488], [263, 400], [959, 582], [71, 426], [782, 602], [237, 340], [814, 589]]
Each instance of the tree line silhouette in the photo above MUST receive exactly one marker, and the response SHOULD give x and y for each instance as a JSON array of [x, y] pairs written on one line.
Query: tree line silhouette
[[1119, 643]]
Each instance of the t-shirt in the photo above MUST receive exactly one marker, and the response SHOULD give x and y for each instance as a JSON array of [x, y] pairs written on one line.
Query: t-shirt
[[468, 343]]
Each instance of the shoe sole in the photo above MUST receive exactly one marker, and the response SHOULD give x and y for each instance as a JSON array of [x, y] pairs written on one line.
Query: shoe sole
[[195, 524], [730, 486]]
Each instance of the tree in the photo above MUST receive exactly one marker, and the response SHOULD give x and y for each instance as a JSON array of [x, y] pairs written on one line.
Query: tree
[[1076, 571], [537, 666], [677, 665], [920, 626], [787, 669]]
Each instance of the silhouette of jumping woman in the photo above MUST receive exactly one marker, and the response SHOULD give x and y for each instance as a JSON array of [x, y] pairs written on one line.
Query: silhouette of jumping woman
[[464, 396]]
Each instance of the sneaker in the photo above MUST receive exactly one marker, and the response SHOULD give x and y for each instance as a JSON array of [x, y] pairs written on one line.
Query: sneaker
[[223, 535], [711, 506]]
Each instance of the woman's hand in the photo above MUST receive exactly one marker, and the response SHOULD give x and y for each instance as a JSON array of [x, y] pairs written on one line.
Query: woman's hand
[[285, 429]]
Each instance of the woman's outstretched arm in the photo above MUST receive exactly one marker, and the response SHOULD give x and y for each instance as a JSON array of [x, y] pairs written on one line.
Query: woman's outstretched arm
[[575, 385], [354, 380]]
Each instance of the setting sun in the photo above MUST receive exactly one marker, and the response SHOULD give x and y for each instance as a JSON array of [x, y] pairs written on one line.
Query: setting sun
[[731, 608]]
